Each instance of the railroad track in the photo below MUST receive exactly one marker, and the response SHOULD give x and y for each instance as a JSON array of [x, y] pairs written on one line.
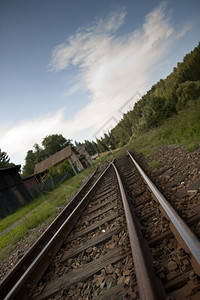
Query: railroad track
[[123, 240]]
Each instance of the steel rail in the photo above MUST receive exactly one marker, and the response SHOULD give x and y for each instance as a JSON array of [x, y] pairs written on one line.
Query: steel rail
[[32, 275], [188, 240], [148, 286]]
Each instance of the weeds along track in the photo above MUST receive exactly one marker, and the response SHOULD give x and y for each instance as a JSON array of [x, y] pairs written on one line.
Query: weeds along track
[[120, 242]]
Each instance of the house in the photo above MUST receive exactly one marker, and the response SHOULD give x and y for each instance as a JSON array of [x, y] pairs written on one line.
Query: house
[[42, 168], [30, 181], [84, 156], [13, 192]]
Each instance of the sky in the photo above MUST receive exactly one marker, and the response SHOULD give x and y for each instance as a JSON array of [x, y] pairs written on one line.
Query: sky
[[75, 67]]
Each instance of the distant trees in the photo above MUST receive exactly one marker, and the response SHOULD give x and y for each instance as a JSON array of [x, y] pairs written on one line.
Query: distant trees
[[4, 160]]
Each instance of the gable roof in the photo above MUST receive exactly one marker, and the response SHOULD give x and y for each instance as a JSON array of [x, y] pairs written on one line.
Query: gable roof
[[81, 149], [53, 160]]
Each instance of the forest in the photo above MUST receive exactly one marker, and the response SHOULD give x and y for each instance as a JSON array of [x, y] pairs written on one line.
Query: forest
[[165, 98]]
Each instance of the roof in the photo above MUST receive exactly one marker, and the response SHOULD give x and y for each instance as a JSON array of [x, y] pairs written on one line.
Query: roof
[[81, 149], [15, 167], [53, 160]]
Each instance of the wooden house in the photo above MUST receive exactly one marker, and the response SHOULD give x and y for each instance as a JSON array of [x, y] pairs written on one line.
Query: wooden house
[[13, 192], [42, 168], [84, 156], [30, 181]]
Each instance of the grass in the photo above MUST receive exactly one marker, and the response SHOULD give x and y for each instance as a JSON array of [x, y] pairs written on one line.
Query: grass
[[154, 164], [145, 151], [9, 220], [181, 129], [42, 210]]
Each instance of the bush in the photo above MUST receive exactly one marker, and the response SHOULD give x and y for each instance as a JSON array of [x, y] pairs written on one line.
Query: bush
[[65, 167], [52, 172], [189, 90]]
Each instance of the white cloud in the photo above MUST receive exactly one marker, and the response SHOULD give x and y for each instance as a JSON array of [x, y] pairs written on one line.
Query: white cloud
[[87, 45], [16, 141], [183, 31], [111, 67]]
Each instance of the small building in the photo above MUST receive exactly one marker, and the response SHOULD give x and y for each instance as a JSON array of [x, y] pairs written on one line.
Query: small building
[[13, 192], [30, 181], [84, 156], [42, 168]]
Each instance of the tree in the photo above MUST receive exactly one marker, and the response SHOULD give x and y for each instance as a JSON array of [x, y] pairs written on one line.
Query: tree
[[30, 161], [39, 153], [52, 172], [4, 160], [54, 143], [102, 146], [90, 147], [189, 90], [65, 167]]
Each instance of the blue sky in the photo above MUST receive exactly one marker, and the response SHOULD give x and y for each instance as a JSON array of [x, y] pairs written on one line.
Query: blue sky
[[74, 67]]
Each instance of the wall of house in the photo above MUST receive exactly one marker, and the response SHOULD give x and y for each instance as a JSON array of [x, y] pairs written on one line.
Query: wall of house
[[13, 192], [30, 181], [74, 159]]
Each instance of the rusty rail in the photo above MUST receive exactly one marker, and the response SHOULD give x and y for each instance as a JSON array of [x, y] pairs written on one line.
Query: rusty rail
[[148, 285], [187, 239]]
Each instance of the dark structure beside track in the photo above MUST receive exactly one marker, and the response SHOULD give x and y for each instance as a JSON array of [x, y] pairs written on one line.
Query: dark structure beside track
[[13, 192]]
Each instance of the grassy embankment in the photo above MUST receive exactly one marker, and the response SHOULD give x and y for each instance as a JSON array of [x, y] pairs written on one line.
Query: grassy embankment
[[181, 129], [40, 212]]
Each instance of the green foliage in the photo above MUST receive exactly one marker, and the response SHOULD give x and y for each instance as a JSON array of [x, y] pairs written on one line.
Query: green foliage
[[65, 167], [154, 164], [192, 146], [91, 147], [145, 151], [52, 172], [37, 217], [189, 90], [181, 129], [9, 220], [102, 145], [13, 236], [54, 143], [4, 160]]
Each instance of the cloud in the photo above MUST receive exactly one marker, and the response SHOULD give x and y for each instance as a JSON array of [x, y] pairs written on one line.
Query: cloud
[[112, 68], [185, 29], [16, 141], [88, 44]]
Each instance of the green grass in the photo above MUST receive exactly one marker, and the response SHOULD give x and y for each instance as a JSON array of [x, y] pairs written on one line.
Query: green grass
[[41, 210], [181, 129], [9, 220], [154, 164], [145, 151]]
